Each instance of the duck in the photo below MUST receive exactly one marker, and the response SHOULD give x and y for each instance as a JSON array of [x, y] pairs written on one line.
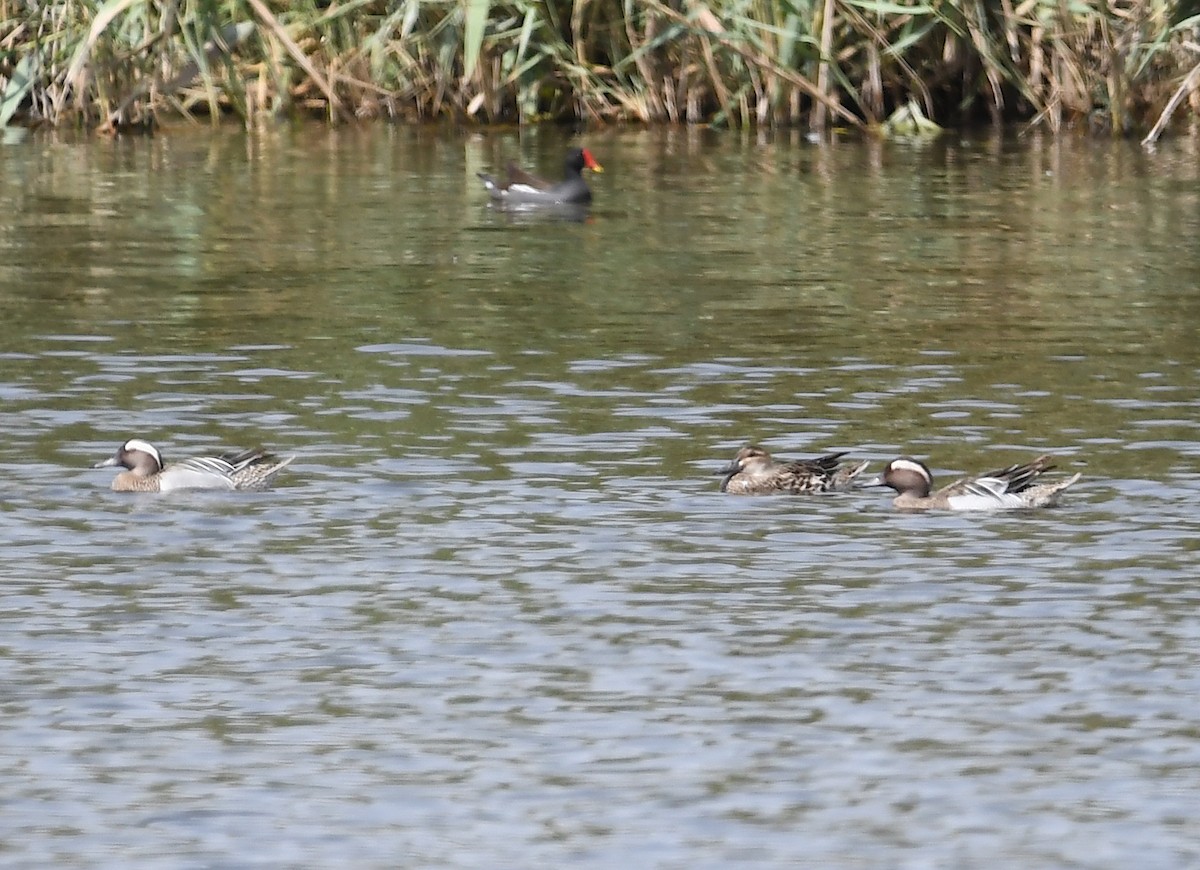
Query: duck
[[146, 471], [523, 188], [754, 472], [1003, 489]]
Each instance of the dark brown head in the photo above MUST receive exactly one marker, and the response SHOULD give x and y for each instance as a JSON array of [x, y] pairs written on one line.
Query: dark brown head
[[905, 475], [140, 457]]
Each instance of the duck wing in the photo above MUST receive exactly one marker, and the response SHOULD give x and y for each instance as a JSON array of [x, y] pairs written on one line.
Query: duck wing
[[985, 487], [1010, 479], [239, 459], [983, 493], [827, 463], [203, 472], [812, 475], [1018, 477]]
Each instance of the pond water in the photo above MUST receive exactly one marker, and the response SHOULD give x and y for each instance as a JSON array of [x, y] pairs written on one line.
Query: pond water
[[497, 613]]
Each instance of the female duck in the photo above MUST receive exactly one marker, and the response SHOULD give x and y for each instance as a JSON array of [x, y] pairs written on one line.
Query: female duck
[[1003, 489], [146, 472], [754, 472]]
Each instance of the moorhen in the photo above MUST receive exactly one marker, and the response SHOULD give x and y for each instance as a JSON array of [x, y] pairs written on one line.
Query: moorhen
[[522, 188]]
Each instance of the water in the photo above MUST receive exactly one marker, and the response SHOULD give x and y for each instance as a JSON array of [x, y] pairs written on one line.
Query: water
[[496, 613]]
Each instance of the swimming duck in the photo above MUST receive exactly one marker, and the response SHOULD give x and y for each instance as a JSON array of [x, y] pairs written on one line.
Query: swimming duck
[[523, 188], [1003, 489], [754, 472], [246, 469]]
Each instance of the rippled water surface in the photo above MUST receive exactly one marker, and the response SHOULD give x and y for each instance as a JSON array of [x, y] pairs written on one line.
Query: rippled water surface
[[496, 614]]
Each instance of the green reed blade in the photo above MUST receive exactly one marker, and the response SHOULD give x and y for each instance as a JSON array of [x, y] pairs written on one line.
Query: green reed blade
[[476, 20]]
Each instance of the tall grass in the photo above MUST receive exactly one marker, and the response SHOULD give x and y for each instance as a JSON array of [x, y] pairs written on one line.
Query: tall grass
[[1118, 66]]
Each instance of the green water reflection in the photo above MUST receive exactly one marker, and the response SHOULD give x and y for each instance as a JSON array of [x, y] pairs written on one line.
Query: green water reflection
[[883, 287]]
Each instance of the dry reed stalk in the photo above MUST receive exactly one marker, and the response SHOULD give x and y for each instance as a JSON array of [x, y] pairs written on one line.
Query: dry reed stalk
[[755, 58], [1190, 86], [73, 83], [280, 33], [819, 116], [746, 62]]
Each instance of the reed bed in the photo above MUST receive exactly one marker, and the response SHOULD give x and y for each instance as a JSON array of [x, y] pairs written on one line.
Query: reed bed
[[1118, 66]]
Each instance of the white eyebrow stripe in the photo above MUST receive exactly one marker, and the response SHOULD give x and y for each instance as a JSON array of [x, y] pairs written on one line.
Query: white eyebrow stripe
[[144, 447], [909, 465]]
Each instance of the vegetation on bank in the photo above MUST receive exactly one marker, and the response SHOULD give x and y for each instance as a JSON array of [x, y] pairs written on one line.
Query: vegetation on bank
[[1118, 66]]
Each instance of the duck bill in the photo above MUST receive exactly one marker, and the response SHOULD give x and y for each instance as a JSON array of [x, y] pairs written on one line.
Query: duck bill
[[877, 480], [728, 470], [107, 463]]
